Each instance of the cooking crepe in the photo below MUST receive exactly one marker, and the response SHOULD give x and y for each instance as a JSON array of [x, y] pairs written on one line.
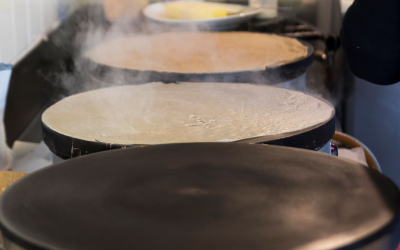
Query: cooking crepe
[[198, 52], [157, 113]]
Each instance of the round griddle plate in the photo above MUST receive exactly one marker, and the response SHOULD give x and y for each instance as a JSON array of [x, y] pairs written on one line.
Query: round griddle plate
[[313, 138], [200, 196], [271, 75]]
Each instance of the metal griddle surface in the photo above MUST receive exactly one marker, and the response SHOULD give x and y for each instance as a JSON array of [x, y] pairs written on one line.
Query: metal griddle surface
[[200, 196]]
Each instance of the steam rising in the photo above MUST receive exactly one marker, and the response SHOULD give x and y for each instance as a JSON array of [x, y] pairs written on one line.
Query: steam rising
[[93, 29]]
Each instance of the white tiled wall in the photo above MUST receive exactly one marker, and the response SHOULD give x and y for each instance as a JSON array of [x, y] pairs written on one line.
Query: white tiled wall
[[22, 23]]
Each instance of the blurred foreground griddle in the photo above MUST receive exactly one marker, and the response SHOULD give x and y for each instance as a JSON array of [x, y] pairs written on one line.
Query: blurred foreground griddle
[[203, 196]]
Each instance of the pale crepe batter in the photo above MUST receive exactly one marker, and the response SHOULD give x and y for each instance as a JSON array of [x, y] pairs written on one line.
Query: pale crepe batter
[[156, 113], [198, 52]]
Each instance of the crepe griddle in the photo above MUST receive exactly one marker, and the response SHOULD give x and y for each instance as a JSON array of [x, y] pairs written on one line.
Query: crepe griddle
[[201, 196], [270, 75], [313, 138]]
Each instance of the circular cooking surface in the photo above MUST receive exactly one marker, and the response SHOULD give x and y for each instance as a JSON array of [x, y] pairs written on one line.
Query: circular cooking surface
[[158, 113], [200, 196], [200, 52]]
